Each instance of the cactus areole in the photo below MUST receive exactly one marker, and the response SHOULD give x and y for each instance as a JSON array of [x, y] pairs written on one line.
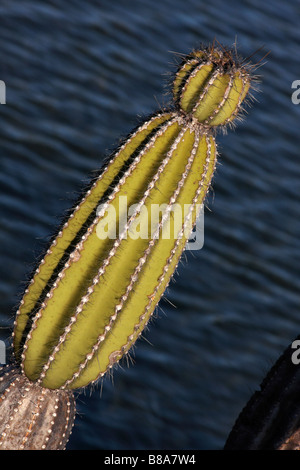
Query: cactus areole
[[91, 296]]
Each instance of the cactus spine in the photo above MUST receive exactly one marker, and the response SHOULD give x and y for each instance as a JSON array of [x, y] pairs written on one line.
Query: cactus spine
[[91, 297]]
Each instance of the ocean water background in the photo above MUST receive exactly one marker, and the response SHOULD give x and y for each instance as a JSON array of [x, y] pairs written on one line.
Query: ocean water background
[[79, 76]]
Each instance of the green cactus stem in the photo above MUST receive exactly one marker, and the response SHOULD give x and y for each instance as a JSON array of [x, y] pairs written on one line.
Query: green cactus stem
[[92, 295], [82, 327], [211, 86]]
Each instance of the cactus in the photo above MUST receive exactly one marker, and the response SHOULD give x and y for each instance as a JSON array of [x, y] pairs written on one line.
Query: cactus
[[33, 417], [91, 296], [83, 327]]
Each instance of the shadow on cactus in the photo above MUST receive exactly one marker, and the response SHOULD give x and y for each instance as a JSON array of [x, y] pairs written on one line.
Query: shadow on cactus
[[92, 295]]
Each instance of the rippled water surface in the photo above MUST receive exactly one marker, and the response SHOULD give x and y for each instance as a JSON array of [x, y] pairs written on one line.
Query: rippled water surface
[[78, 74]]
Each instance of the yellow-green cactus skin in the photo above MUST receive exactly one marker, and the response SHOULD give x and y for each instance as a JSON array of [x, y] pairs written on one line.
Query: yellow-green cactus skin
[[91, 296], [211, 86]]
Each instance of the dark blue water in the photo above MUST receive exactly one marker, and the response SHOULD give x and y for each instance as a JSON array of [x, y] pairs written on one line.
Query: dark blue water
[[78, 74]]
